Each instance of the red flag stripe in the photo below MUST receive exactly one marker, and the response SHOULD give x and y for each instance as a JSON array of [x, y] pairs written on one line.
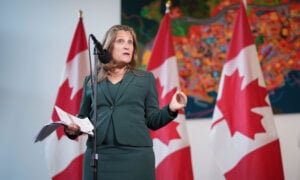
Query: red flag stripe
[[176, 166], [263, 163], [79, 36], [163, 45], [73, 171], [239, 40]]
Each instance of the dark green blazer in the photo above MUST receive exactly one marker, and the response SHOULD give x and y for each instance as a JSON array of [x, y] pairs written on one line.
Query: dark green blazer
[[134, 110]]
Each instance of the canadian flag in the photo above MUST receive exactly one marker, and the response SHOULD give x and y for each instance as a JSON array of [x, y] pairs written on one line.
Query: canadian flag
[[243, 135], [171, 144], [65, 156]]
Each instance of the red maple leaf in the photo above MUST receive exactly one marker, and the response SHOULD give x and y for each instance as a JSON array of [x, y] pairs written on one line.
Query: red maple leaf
[[236, 105], [168, 132]]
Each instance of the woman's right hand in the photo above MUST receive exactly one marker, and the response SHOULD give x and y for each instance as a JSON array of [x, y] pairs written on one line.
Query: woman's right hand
[[72, 129]]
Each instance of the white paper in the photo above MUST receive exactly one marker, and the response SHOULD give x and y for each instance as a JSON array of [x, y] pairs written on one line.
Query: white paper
[[85, 124]]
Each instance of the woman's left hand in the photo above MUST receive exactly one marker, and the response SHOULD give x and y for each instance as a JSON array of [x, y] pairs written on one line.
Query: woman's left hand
[[179, 101]]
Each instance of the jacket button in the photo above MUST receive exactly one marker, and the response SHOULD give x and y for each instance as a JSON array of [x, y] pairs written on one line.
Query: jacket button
[[111, 107]]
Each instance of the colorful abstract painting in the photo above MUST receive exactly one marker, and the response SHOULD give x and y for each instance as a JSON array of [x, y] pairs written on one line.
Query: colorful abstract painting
[[201, 33]]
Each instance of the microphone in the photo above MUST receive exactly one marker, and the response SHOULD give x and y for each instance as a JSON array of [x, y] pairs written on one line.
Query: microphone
[[103, 54]]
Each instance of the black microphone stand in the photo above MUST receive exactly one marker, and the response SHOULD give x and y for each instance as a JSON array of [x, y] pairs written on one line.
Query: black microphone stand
[[94, 77], [104, 57]]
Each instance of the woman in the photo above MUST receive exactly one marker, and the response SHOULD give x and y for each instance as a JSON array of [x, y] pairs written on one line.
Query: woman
[[127, 108]]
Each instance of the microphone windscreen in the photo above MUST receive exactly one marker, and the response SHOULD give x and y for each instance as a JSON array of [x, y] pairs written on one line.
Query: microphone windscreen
[[105, 57]]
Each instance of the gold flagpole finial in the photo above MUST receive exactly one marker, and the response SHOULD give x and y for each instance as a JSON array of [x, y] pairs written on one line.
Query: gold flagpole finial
[[168, 5], [80, 13]]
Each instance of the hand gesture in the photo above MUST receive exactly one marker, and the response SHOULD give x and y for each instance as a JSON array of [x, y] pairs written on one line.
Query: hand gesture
[[179, 101]]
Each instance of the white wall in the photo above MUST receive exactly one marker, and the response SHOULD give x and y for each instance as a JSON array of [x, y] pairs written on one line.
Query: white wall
[[35, 37]]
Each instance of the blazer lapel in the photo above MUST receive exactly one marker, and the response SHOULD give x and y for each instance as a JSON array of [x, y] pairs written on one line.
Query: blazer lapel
[[105, 91], [129, 76]]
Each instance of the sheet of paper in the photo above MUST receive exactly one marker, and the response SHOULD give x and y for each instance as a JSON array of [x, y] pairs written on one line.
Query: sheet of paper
[[85, 124]]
